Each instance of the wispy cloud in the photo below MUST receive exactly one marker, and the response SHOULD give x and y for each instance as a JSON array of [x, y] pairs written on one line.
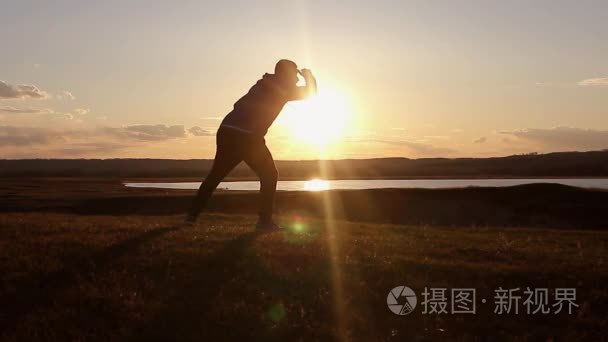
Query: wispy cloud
[[480, 140], [148, 132], [133, 134], [418, 148], [594, 82], [199, 132], [67, 95], [82, 111], [15, 110], [589, 82], [563, 137], [20, 91], [18, 136], [76, 113], [437, 137]]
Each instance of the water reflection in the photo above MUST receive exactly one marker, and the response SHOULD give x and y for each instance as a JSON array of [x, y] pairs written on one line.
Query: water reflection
[[321, 184], [316, 185]]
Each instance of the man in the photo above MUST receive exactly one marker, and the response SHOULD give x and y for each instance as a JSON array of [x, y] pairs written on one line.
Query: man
[[241, 137]]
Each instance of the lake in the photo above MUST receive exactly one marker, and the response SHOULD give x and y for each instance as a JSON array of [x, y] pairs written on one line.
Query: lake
[[320, 185]]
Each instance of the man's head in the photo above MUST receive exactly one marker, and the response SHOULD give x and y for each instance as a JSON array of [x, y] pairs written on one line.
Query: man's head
[[286, 71]]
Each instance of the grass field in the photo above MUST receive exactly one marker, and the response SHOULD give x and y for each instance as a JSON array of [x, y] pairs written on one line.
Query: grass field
[[107, 277]]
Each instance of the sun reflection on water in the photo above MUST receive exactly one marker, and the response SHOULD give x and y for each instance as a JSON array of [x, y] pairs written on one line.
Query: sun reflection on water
[[316, 185]]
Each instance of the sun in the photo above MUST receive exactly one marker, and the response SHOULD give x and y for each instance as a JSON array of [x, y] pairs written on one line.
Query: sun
[[318, 120]]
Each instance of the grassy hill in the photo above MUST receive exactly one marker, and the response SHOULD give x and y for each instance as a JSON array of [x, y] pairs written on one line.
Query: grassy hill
[[86, 259], [139, 277]]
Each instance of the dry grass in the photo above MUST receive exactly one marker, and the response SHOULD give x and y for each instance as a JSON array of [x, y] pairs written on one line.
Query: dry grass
[[72, 277]]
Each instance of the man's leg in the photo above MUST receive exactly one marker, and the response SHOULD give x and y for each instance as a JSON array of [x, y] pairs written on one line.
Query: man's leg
[[260, 160], [225, 161]]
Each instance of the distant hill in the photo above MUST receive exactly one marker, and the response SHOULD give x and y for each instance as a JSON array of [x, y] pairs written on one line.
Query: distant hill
[[559, 164]]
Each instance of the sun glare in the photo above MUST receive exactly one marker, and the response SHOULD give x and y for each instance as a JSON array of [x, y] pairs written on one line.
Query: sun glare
[[319, 120]]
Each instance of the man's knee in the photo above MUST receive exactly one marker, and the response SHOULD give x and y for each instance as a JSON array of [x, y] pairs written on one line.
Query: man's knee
[[271, 175]]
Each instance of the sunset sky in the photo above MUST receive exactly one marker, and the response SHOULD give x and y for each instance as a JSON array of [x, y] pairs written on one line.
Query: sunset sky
[[152, 79]]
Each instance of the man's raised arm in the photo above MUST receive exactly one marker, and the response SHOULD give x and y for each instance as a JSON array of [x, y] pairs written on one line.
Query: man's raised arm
[[309, 89]]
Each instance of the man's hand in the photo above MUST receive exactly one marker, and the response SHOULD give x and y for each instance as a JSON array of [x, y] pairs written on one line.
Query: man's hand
[[306, 73], [311, 82], [302, 93]]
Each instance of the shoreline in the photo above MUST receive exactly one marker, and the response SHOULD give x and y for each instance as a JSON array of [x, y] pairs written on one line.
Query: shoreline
[[531, 205]]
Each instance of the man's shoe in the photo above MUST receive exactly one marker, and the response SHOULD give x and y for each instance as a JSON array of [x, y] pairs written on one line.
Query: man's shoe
[[267, 226]]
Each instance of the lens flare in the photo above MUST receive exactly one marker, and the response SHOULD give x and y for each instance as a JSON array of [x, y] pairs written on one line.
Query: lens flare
[[299, 231], [277, 312], [298, 225]]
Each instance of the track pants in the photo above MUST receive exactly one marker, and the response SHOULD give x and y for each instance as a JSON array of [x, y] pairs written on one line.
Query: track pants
[[233, 147]]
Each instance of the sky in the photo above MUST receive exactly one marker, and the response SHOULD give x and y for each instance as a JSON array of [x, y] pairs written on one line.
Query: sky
[[153, 79]]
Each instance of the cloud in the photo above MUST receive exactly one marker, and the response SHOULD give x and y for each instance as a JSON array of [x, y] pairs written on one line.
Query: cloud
[[146, 132], [80, 140], [480, 140], [416, 147], [66, 95], [20, 91], [156, 132], [82, 111], [590, 82], [14, 110], [21, 136], [598, 81], [37, 111], [437, 137], [569, 138], [199, 132]]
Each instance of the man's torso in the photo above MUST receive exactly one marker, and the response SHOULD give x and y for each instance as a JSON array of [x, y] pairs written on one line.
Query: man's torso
[[257, 110]]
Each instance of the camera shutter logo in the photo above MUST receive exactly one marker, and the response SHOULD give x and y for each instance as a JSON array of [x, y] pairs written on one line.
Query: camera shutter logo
[[401, 300]]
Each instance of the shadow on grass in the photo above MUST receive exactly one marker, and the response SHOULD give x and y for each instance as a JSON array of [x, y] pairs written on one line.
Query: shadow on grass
[[41, 289], [185, 314], [236, 294]]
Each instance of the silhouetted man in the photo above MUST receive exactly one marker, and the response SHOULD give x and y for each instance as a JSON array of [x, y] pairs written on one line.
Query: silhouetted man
[[241, 136]]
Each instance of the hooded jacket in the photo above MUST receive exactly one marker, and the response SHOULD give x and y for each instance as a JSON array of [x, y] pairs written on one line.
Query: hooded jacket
[[256, 111]]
